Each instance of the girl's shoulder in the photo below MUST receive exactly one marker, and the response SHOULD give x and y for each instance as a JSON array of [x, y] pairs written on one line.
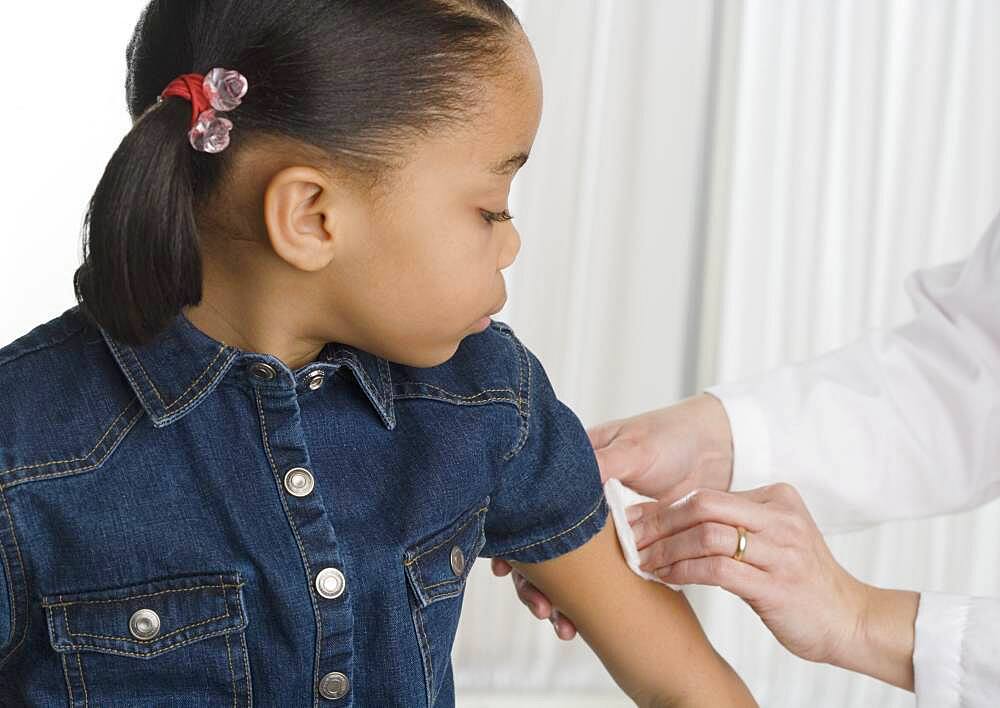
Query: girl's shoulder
[[60, 398], [45, 336], [489, 367]]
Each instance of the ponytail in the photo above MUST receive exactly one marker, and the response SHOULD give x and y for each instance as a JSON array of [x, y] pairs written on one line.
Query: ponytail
[[142, 261], [351, 81]]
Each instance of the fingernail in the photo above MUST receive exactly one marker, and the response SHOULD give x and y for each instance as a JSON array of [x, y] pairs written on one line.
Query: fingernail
[[664, 571], [637, 534], [633, 514]]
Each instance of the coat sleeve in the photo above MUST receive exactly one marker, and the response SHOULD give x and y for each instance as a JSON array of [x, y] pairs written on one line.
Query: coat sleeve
[[903, 423], [956, 654]]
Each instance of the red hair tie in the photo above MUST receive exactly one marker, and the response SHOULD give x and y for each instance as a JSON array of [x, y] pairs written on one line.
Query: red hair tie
[[219, 90]]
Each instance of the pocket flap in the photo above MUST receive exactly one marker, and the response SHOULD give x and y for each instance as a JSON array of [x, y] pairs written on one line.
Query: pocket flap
[[175, 611], [438, 565]]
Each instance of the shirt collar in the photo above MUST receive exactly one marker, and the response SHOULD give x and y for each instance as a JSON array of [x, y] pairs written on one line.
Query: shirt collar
[[183, 365]]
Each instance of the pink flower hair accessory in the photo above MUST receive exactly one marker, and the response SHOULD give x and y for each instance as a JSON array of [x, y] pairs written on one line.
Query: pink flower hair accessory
[[220, 90]]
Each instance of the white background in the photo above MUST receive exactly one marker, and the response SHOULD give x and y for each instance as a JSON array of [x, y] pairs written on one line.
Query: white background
[[717, 187]]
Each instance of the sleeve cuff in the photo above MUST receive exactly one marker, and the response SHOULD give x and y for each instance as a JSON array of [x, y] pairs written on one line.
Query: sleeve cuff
[[937, 649], [564, 541], [751, 440]]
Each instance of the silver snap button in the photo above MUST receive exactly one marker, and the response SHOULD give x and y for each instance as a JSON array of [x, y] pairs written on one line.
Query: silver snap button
[[315, 380], [144, 624], [262, 371], [330, 583], [457, 560], [334, 685], [299, 482]]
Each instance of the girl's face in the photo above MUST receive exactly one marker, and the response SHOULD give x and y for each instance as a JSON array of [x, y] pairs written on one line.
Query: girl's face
[[420, 268]]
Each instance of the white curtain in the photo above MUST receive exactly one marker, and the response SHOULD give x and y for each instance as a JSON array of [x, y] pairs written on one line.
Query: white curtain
[[721, 187], [610, 207]]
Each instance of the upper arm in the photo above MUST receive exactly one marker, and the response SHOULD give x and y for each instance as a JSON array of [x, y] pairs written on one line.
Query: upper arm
[[549, 515], [671, 662]]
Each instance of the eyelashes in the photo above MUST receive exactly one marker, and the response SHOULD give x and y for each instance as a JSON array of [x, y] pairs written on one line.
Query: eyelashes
[[496, 217]]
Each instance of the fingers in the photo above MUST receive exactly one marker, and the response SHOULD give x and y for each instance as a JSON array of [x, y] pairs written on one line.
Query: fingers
[[564, 629], [638, 511], [659, 520], [536, 601], [532, 598], [780, 494], [737, 577], [707, 540]]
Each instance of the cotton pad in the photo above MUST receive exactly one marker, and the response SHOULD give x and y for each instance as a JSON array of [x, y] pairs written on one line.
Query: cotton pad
[[619, 499]]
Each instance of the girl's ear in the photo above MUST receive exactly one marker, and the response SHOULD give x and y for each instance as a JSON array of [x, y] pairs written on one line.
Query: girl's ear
[[301, 217]]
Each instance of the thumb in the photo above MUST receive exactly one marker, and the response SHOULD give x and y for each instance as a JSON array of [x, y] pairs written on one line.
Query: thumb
[[604, 434], [617, 461]]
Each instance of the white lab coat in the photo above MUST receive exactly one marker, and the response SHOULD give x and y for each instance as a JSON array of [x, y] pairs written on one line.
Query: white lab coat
[[903, 423]]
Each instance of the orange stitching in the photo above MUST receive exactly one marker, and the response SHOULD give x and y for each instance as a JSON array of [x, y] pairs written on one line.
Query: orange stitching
[[75, 470], [447, 540], [46, 603], [455, 395], [298, 540], [229, 653], [246, 670], [561, 533], [69, 686], [168, 406], [151, 640], [74, 459], [20, 561], [86, 698], [119, 652]]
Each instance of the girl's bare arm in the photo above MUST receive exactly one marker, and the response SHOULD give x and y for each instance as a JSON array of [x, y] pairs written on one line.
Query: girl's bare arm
[[646, 634]]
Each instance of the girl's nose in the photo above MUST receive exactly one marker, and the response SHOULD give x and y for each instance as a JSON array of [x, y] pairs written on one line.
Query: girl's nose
[[511, 247]]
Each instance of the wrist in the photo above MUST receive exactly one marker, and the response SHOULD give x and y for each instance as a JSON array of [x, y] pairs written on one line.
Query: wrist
[[882, 643], [714, 442]]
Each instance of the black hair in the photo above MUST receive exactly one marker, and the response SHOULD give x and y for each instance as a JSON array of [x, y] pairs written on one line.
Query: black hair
[[346, 79]]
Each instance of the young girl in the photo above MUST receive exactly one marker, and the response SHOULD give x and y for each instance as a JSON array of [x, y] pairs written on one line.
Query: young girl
[[258, 460]]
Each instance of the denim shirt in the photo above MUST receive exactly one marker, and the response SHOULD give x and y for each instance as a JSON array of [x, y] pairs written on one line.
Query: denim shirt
[[189, 524]]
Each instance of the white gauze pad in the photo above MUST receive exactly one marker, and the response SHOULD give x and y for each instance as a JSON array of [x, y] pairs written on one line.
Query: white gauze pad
[[619, 499]]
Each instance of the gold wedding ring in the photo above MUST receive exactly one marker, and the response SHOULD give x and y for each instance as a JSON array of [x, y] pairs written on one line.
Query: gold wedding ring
[[741, 543]]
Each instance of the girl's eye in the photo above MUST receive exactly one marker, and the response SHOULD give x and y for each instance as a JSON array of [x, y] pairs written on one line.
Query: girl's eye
[[495, 217]]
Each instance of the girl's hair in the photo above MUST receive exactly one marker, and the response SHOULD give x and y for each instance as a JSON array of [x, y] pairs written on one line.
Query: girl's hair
[[343, 82]]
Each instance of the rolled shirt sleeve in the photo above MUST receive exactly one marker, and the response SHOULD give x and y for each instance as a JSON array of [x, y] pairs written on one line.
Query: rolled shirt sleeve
[[956, 657], [903, 423], [550, 500]]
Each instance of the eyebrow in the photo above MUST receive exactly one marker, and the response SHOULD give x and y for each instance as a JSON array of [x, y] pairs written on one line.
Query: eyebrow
[[510, 165]]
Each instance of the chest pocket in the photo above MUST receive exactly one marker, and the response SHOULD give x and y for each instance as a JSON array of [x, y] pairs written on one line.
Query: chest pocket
[[436, 570], [178, 640]]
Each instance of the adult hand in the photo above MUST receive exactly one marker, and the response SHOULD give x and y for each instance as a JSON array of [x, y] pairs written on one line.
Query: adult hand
[[663, 454], [787, 574]]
